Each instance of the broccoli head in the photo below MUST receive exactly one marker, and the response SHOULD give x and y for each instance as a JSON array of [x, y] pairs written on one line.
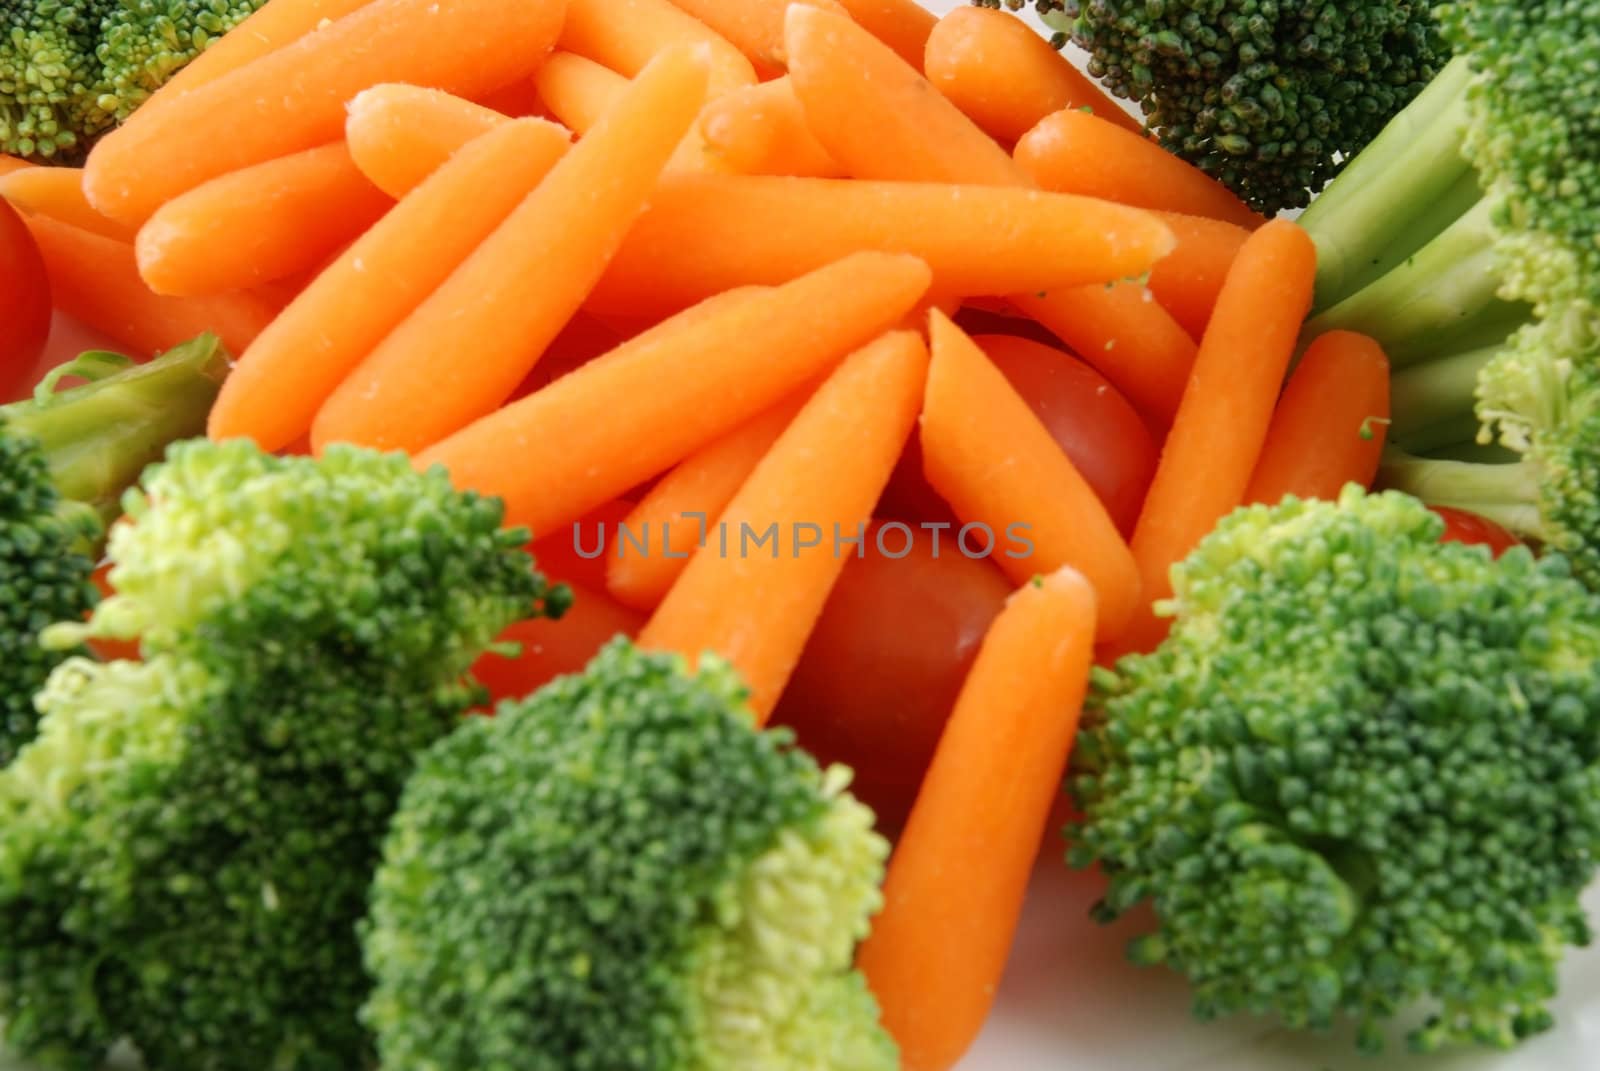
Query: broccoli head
[[1267, 96], [186, 846], [65, 456], [620, 872], [72, 69], [1361, 773]]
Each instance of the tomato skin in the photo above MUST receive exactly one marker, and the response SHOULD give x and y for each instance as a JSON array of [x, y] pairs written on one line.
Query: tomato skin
[[881, 672], [1461, 526], [24, 304], [1107, 440]]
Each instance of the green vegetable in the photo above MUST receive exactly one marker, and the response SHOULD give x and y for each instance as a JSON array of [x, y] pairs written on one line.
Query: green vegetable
[[65, 457], [187, 845], [1464, 241], [72, 69], [1267, 96], [619, 873], [1362, 772]]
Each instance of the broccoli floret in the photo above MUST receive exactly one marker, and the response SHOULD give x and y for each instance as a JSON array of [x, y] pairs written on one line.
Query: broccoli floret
[[1266, 96], [619, 872], [1362, 772], [64, 458], [72, 69], [188, 843]]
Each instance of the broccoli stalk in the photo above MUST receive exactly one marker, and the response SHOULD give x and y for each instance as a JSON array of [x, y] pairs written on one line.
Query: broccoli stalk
[[618, 873], [187, 845], [1463, 240], [65, 459], [72, 69], [1361, 774]]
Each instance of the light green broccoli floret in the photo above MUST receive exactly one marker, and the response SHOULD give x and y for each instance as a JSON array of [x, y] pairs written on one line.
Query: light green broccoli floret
[[72, 69], [1361, 774], [186, 847], [619, 872]]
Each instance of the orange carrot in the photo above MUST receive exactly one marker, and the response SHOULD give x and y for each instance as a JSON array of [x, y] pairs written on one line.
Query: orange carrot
[[900, 129], [1330, 424], [1125, 335], [1075, 152], [754, 27], [57, 192], [675, 517], [271, 27], [1187, 280], [519, 100], [502, 306], [626, 34], [903, 25], [761, 130], [578, 552], [1006, 77], [95, 280], [987, 454], [579, 92], [398, 134], [620, 419], [757, 602], [1216, 437], [294, 98], [280, 381], [956, 881], [705, 233], [552, 648], [258, 224], [9, 164]]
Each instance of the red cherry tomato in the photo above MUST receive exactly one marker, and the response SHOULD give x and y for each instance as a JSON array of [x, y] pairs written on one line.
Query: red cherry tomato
[[24, 304], [1102, 434], [1463, 527], [880, 674]]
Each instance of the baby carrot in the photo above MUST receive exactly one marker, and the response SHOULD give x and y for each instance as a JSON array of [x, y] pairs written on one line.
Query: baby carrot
[[258, 224], [987, 454], [95, 280], [1187, 280], [285, 376], [8, 164], [1074, 152], [1217, 435], [294, 98], [577, 553], [956, 880], [903, 25], [1123, 333], [902, 128], [578, 92], [399, 134], [1006, 77], [675, 516], [600, 430], [705, 233], [761, 130], [502, 306], [1330, 424], [57, 192], [626, 34], [756, 603], [754, 27]]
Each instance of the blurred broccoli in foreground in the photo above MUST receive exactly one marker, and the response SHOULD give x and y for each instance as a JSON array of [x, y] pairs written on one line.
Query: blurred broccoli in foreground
[[1361, 773], [619, 872], [187, 845]]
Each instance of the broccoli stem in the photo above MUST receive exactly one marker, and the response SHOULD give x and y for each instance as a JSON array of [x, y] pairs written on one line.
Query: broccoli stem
[[1506, 494], [97, 438], [1427, 396], [1353, 220], [1444, 293]]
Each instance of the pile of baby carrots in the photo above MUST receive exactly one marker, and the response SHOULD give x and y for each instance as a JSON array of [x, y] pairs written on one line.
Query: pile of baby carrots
[[653, 260]]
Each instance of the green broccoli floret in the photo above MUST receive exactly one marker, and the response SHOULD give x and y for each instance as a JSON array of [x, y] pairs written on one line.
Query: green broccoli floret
[[1362, 772], [1464, 241], [65, 457], [618, 872], [72, 69], [187, 845], [1267, 96]]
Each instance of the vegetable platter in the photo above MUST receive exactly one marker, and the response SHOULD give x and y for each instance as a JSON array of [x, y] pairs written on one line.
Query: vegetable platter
[[729, 535]]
